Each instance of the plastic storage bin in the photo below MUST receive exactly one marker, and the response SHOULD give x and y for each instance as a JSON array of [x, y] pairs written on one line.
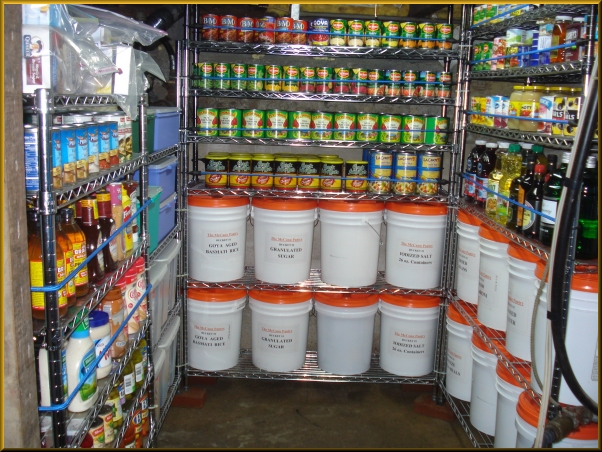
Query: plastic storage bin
[[156, 299], [167, 216], [154, 193], [169, 345], [167, 127], [163, 174], [168, 257], [150, 133], [159, 364]]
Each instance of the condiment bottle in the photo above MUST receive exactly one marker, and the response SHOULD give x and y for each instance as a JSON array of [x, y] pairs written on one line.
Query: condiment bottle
[[559, 38], [100, 332], [97, 431], [107, 229], [129, 439], [139, 369], [91, 229], [81, 354], [63, 241], [130, 299], [112, 304], [511, 166], [518, 193], [137, 422], [539, 155], [78, 241], [131, 187], [145, 418], [530, 108], [533, 200], [127, 214], [140, 267], [514, 106], [551, 195], [486, 164], [115, 190], [471, 169], [106, 414]]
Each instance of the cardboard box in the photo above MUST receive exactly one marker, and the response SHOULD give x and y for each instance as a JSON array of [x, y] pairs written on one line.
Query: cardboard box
[[39, 63]]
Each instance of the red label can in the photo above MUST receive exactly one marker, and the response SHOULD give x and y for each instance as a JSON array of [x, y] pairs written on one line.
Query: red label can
[[284, 27], [299, 35], [210, 30], [265, 34], [227, 32], [245, 32]]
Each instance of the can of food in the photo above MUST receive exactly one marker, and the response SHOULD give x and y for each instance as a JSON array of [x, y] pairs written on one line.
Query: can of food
[[319, 32], [499, 49], [210, 31], [309, 170], [380, 159], [124, 130], [355, 30], [342, 77], [436, 130], [321, 125], [328, 156], [114, 152], [427, 32], [240, 171], [429, 173], [476, 55], [290, 84], [375, 86], [265, 30], [393, 86], [412, 129], [230, 120], [228, 32], [32, 167], [404, 172], [487, 52], [410, 76], [205, 71], [252, 123], [104, 145], [68, 153], [410, 89], [389, 128], [284, 28], [443, 90], [276, 124], [239, 73], [356, 174], [307, 83], [444, 31], [558, 113], [222, 73], [262, 172], [390, 34], [428, 90], [443, 77], [255, 74], [207, 122], [93, 147], [323, 80], [367, 127], [106, 414], [273, 74], [331, 173], [338, 31], [372, 30], [408, 32], [379, 180], [285, 174], [300, 125], [216, 167], [97, 432], [359, 81], [81, 152], [245, 29], [519, 60], [344, 126], [427, 76], [299, 34]]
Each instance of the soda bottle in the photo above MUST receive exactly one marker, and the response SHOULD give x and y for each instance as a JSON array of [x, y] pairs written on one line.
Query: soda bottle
[[511, 166], [486, 164], [534, 198], [551, 195], [587, 229], [493, 181], [471, 169]]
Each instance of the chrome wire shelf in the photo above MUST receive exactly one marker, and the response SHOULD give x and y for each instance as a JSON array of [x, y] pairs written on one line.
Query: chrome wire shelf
[[321, 51], [552, 141], [310, 372], [154, 156], [64, 102], [570, 71], [171, 393], [327, 97], [164, 243]]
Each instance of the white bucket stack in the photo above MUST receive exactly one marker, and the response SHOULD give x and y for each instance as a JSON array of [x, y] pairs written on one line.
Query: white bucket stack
[[468, 257], [458, 375], [415, 244], [508, 391]]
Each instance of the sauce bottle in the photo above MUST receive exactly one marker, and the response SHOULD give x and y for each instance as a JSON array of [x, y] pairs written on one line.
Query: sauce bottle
[[131, 188], [587, 229], [81, 354], [91, 229], [551, 166], [551, 195], [511, 166], [115, 190], [493, 181], [525, 185], [534, 198], [63, 241], [107, 229], [139, 370], [129, 380], [559, 38], [514, 106], [115, 403], [487, 161], [78, 242], [471, 169]]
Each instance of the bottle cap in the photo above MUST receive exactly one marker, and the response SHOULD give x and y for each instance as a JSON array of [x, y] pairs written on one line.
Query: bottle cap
[[529, 88], [540, 169], [566, 157], [514, 148], [83, 330], [491, 145], [537, 149], [503, 144], [98, 319], [563, 18], [578, 19], [480, 142], [591, 161], [526, 145]]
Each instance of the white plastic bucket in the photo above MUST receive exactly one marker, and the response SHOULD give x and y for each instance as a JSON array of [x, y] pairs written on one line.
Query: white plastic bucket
[[458, 374], [508, 390], [527, 412], [581, 338], [214, 327], [350, 237], [415, 244], [283, 238], [345, 331], [468, 257], [493, 279], [217, 227], [279, 324], [521, 268]]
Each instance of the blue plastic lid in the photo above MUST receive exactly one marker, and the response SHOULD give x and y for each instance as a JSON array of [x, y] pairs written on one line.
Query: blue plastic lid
[[83, 330], [98, 319]]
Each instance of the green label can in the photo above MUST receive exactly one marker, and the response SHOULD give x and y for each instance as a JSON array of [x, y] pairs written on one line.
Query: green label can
[[443, 77], [222, 72], [276, 123], [372, 30], [428, 31], [359, 81], [342, 75], [408, 32], [427, 76], [273, 74], [262, 172], [285, 173], [344, 126], [356, 174], [321, 125], [436, 130], [252, 123], [207, 120], [307, 83], [376, 87], [428, 90], [230, 120], [216, 167], [393, 86], [443, 90], [444, 31], [355, 30], [409, 89], [429, 173], [390, 34], [323, 80], [290, 84], [256, 74], [367, 127], [389, 128], [204, 70], [238, 71], [240, 171], [300, 125], [338, 31], [412, 129], [309, 170], [331, 171], [404, 172]]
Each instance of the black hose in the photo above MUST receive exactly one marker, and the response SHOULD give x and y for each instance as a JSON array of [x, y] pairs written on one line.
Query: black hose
[[163, 18]]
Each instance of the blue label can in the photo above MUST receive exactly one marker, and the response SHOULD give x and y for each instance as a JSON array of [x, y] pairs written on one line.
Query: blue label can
[[104, 146], [81, 152], [57, 158], [32, 169], [68, 152]]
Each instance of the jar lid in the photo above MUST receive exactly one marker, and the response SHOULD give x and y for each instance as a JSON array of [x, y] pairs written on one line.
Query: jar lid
[[514, 148], [98, 319], [536, 148], [491, 145], [82, 330], [519, 87], [563, 18], [347, 300], [480, 142], [217, 201]]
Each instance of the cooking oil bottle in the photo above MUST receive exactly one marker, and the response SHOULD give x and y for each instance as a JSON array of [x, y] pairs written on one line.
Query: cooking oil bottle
[[511, 166], [493, 180]]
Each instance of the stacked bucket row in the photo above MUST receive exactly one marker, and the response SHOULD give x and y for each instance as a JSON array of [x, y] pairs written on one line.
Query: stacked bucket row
[[499, 281]]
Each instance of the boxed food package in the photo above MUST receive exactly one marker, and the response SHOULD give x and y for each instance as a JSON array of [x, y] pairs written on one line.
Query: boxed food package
[[39, 62], [40, 14]]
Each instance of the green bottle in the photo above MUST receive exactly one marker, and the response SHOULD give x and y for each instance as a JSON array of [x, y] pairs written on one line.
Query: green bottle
[[493, 181], [551, 195], [515, 212], [511, 166], [587, 230]]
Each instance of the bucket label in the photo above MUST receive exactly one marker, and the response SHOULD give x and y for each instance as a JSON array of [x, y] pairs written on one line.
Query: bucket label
[[491, 289], [410, 344], [467, 266], [219, 244], [278, 339], [287, 248], [212, 336], [455, 364], [518, 321], [414, 253]]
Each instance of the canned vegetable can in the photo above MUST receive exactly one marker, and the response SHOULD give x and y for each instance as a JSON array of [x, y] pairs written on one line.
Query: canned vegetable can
[[444, 31], [240, 171], [307, 82], [428, 31], [230, 120], [252, 123], [300, 125], [222, 73], [436, 130], [205, 71], [239, 71], [389, 128], [256, 74], [390, 34], [367, 127], [262, 172], [338, 30], [408, 32], [359, 81], [214, 164], [285, 177], [379, 180], [372, 30], [273, 74], [404, 172], [393, 86], [380, 159], [331, 172], [207, 121], [429, 173], [344, 126], [323, 80], [356, 174], [309, 170], [412, 129], [355, 30], [342, 76], [375, 86], [276, 124], [290, 84], [321, 125]]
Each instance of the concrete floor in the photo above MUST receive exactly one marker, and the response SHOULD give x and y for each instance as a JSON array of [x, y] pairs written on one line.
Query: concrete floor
[[242, 413]]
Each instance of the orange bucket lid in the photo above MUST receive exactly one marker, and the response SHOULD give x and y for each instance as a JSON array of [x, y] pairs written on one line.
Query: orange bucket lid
[[503, 372], [416, 208], [284, 204], [279, 296], [216, 295], [217, 201], [495, 337], [467, 218], [584, 282], [454, 314], [411, 301], [347, 300], [541, 265], [352, 206], [490, 234], [518, 252]]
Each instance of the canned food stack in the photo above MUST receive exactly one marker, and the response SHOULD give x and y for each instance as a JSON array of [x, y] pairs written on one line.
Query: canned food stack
[[491, 14]]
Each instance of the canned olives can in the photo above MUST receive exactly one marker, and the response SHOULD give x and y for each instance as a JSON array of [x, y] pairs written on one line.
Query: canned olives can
[[309, 170], [412, 129], [290, 84], [389, 128], [444, 31], [321, 125], [390, 34], [404, 172], [299, 34], [344, 126], [307, 83], [429, 173], [331, 172], [276, 124], [320, 28], [356, 174], [355, 30], [273, 74], [300, 125], [367, 127], [436, 130], [372, 30], [240, 171], [256, 73], [252, 123], [238, 71], [285, 173], [359, 81], [408, 32], [216, 167], [262, 172], [428, 31], [222, 72], [342, 76], [376, 87], [323, 80], [230, 120], [207, 120], [338, 30]]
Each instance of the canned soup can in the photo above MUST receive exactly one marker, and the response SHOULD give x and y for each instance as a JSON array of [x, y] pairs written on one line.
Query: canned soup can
[[207, 120], [331, 172], [344, 126], [262, 172], [240, 171], [436, 130], [356, 174], [309, 170], [300, 125], [252, 123], [285, 177], [429, 173], [367, 127], [404, 172], [214, 164], [412, 129], [321, 125]]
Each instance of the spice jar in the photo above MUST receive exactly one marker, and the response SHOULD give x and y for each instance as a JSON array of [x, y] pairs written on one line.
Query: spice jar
[[112, 304], [100, 333]]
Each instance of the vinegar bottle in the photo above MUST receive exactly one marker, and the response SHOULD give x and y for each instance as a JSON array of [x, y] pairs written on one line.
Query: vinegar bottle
[[107, 229], [493, 182], [91, 229], [534, 198], [486, 165], [551, 195], [78, 241], [63, 241]]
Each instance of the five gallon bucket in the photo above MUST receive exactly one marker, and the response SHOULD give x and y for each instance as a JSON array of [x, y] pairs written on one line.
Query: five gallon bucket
[[345, 330], [527, 416], [508, 391], [279, 323], [217, 228], [458, 374], [493, 279], [283, 236], [415, 243], [214, 327], [408, 333], [468, 257], [350, 232], [521, 270]]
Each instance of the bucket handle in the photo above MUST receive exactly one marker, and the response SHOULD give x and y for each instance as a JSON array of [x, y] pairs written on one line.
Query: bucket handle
[[380, 240]]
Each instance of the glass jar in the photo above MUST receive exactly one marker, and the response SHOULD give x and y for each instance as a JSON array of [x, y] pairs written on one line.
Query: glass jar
[[559, 38], [530, 108], [514, 106], [112, 304]]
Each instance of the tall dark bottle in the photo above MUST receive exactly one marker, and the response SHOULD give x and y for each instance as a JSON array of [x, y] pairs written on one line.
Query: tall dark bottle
[[551, 166], [587, 229], [471, 169], [551, 196], [91, 229], [486, 164], [107, 228], [518, 190], [534, 198]]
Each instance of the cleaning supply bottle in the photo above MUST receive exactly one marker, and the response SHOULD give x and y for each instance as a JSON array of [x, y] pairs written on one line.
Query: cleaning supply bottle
[[81, 354]]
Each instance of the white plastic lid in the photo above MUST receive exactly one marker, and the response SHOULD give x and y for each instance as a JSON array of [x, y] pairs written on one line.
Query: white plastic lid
[[526, 145], [491, 145], [503, 144], [591, 161], [480, 142], [171, 198], [158, 360], [163, 163], [578, 19], [154, 193], [170, 335], [169, 253], [157, 272], [566, 157], [563, 18]]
